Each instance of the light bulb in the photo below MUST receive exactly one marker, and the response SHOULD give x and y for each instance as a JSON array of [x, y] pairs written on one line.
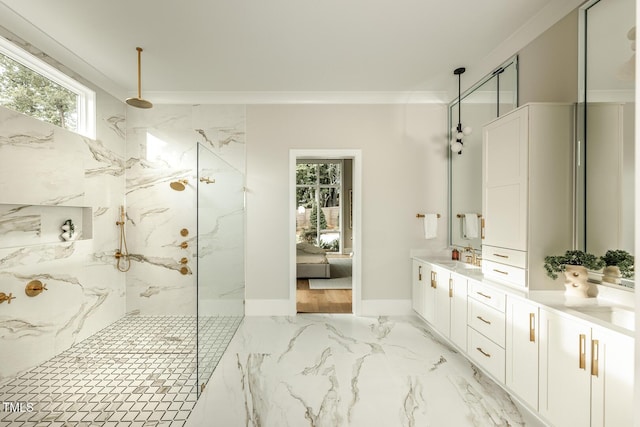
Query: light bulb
[[456, 146], [467, 130]]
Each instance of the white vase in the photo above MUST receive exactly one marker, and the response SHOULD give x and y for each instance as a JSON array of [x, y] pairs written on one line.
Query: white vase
[[575, 283], [611, 274]]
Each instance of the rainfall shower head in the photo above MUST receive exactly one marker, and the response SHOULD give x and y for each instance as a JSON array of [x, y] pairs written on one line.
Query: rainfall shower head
[[179, 185], [139, 102]]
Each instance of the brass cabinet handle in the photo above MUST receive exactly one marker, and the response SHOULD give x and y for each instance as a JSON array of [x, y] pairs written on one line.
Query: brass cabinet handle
[[485, 354], [500, 271], [420, 273], [582, 351], [532, 327], [484, 320], [482, 228], [434, 279], [501, 256], [484, 295], [595, 348], [450, 287]]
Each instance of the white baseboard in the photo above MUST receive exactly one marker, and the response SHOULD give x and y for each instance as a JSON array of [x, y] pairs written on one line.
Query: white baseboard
[[268, 307], [283, 307], [386, 307]]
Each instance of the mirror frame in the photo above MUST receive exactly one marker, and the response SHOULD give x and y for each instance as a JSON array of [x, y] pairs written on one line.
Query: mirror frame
[[453, 104], [580, 163]]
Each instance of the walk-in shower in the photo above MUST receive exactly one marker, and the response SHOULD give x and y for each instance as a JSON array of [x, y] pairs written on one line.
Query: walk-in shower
[[183, 263]]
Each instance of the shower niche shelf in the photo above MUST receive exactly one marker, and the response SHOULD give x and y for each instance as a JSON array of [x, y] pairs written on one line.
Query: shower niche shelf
[[26, 225]]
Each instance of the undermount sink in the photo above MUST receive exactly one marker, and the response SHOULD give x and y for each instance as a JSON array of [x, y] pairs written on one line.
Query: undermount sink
[[457, 265], [618, 316]]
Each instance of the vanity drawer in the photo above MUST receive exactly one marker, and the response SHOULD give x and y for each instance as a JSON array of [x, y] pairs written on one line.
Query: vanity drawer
[[488, 321], [487, 354], [505, 256], [505, 273], [487, 295]]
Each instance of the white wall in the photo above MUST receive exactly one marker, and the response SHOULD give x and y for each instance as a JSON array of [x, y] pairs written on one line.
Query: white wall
[[403, 173]]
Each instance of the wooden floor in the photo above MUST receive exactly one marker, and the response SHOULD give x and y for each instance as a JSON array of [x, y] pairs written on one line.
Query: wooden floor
[[322, 300]]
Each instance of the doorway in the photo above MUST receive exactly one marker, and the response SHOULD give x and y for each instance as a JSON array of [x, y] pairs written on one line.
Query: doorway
[[325, 201]]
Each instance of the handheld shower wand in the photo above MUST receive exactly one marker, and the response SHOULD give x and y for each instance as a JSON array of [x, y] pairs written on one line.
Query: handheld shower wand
[[122, 252]]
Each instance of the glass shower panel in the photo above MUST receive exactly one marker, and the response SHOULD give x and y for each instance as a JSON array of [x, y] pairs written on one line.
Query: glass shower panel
[[220, 268]]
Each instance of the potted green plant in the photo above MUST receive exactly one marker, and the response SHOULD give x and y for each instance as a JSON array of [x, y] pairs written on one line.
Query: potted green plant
[[574, 264], [618, 263]]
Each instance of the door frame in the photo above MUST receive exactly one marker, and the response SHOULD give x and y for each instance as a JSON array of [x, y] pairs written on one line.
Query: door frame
[[356, 156]]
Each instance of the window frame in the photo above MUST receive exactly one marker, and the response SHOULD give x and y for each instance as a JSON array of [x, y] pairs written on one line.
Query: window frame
[[86, 101], [317, 187]]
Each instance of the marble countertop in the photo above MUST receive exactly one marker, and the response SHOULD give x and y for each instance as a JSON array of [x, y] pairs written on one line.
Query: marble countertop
[[611, 313]]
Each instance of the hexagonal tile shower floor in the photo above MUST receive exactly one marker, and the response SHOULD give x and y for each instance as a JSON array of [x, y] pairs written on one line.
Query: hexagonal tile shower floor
[[139, 371]]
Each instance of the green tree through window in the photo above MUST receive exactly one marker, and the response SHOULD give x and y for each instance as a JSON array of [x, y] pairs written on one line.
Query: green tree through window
[[25, 91]]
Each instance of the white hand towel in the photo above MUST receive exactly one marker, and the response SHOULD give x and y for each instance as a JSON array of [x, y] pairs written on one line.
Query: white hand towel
[[470, 226], [430, 222]]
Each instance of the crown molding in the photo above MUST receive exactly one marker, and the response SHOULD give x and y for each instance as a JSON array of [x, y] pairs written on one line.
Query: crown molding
[[297, 97]]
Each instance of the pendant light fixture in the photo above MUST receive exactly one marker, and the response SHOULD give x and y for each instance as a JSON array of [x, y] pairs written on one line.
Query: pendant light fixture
[[139, 102], [459, 132]]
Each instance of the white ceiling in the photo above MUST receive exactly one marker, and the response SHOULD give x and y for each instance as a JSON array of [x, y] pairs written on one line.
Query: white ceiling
[[400, 46]]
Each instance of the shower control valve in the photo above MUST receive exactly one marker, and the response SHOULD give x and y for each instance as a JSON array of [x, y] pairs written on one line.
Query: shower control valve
[[4, 297]]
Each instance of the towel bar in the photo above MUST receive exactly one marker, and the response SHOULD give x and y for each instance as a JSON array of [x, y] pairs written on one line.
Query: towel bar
[[462, 215], [422, 215]]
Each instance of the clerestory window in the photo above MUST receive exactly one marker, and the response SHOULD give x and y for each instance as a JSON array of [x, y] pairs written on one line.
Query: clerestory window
[[30, 86]]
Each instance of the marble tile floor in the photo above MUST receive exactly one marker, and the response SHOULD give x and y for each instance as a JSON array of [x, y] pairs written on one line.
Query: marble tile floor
[[332, 370], [140, 371]]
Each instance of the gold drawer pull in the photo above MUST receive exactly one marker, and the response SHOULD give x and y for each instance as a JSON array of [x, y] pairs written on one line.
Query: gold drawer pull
[[532, 327], [502, 256], [420, 273], [483, 295], [485, 354], [484, 320], [434, 279], [595, 344], [450, 288], [482, 228], [582, 351], [500, 271]]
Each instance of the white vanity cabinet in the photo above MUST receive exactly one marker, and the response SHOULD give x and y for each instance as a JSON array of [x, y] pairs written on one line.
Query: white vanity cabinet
[[443, 290], [526, 192], [458, 301], [486, 328], [421, 273], [450, 317], [586, 373], [571, 371], [440, 297], [522, 342]]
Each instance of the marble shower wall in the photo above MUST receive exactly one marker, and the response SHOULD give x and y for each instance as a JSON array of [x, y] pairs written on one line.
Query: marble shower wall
[[48, 175], [162, 147]]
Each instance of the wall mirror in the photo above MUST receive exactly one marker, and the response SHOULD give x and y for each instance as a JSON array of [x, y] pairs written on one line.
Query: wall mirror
[[605, 215], [491, 97]]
